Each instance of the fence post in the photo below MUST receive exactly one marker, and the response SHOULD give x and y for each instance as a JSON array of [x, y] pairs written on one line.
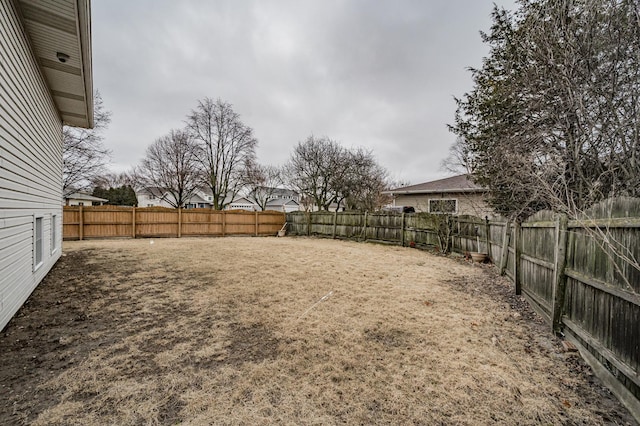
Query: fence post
[[517, 231], [133, 223], [364, 229], [504, 255], [308, 223], [560, 279], [487, 239], [179, 222], [81, 224], [335, 223], [224, 220], [402, 231]]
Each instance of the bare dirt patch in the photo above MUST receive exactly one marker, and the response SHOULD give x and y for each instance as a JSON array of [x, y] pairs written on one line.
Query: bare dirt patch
[[295, 331]]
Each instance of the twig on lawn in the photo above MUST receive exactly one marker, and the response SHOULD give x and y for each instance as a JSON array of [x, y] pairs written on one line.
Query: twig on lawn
[[322, 299]]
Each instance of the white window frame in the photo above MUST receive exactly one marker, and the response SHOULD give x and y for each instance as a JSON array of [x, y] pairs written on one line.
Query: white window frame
[[37, 263], [443, 199]]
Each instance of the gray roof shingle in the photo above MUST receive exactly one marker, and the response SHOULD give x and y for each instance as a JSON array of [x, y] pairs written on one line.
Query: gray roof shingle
[[459, 183]]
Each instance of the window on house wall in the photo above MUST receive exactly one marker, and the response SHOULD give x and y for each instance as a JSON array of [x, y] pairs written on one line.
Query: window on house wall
[[443, 206], [54, 232], [37, 249]]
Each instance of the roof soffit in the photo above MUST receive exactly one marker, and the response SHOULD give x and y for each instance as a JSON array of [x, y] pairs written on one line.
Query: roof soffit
[[63, 26]]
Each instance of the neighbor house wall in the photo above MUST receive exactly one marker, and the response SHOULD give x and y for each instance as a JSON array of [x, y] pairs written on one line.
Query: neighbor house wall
[[148, 200], [30, 167], [468, 203]]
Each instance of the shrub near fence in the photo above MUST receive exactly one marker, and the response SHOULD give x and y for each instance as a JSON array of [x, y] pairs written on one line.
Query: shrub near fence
[[580, 275], [131, 222]]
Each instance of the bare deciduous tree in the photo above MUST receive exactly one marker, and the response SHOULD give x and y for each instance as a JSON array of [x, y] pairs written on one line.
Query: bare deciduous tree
[[171, 165], [226, 146], [84, 155], [116, 180], [327, 173], [364, 181], [313, 168], [262, 182]]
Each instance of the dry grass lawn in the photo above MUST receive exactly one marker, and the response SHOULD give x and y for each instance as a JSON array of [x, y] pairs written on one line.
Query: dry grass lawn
[[263, 331]]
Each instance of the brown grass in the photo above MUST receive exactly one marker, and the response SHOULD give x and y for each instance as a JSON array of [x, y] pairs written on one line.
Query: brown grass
[[284, 331]]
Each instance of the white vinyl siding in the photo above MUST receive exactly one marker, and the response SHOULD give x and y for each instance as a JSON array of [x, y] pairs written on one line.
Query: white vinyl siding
[[30, 168]]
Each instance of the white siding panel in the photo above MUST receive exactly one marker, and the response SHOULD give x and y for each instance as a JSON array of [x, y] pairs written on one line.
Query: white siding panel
[[14, 168], [12, 256], [30, 166]]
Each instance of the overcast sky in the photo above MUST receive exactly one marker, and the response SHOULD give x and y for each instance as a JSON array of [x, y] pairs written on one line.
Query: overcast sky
[[375, 74]]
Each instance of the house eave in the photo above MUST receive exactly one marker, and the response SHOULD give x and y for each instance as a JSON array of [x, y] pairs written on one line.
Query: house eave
[[438, 191], [63, 30]]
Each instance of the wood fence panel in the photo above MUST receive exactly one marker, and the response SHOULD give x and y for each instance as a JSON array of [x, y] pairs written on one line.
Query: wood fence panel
[[419, 228], [270, 222], [537, 260], [470, 234], [297, 223], [202, 222], [240, 222], [156, 222], [129, 222], [496, 231], [350, 225], [322, 223], [604, 263], [107, 222], [384, 227], [602, 299], [71, 223]]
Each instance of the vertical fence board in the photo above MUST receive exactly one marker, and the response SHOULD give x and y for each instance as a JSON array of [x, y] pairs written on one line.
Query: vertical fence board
[[560, 279]]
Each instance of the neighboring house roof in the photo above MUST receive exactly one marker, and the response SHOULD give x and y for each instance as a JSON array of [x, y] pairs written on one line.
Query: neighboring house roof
[[460, 183], [195, 198], [64, 25], [85, 197], [242, 200], [281, 202], [204, 190], [284, 192]]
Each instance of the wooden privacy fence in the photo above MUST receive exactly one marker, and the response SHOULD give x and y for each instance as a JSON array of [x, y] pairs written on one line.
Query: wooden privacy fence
[[389, 227], [580, 275], [132, 222]]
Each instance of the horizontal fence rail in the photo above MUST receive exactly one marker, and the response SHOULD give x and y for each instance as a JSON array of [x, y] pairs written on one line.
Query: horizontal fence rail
[[81, 222], [582, 275]]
